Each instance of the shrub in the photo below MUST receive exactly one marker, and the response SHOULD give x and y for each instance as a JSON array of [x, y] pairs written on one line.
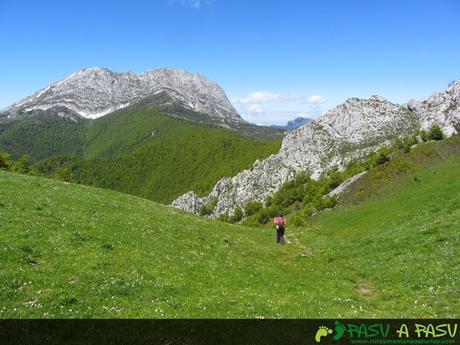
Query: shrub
[[318, 204], [21, 165], [297, 219], [265, 215], [335, 178], [207, 209], [224, 217], [355, 167], [435, 133], [63, 173], [251, 221], [308, 210], [382, 156], [5, 160], [424, 135], [329, 202], [398, 144], [326, 202], [407, 148], [268, 201], [408, 143], [237, 215], [252, 207]]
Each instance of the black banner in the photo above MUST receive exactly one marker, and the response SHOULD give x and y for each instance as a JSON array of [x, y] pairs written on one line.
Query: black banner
[[245, 332]]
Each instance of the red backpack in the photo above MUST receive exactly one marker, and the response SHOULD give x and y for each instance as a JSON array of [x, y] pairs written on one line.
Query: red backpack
[[279, 222]]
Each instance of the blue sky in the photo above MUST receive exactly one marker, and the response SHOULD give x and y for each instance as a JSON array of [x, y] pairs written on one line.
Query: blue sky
[[275, 59]]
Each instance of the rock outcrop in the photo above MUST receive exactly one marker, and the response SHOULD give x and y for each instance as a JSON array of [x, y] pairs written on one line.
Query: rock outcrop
[[441, 108], [349, 131], [345, 185]]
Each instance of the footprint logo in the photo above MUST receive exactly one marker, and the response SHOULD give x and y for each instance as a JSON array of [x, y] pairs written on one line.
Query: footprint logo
[[339, 330], [322, 332]]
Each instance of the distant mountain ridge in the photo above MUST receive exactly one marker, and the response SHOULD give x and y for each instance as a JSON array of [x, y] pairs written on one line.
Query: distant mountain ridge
[[94, 92], [294, 124]]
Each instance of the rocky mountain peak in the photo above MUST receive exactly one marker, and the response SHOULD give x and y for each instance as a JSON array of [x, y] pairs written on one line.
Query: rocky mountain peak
[[95, 92], [357, 119]]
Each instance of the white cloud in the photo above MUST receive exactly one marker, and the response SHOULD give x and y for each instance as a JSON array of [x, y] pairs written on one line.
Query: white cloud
[[260, 96], [190, 3], [315, 99], [269, 107], [255, 108]]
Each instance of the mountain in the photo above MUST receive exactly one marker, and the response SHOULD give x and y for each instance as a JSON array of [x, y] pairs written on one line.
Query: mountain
[[156, 135], [94, 92], [297, 122], [294, 124], [441, 108], [349, 131], [72, 251], [55, 120]]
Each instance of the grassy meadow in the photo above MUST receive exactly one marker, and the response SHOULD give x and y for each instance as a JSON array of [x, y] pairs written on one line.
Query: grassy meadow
[[74, 251]]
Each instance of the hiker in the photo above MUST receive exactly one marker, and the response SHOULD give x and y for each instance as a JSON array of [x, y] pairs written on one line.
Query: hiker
[[280, 224]]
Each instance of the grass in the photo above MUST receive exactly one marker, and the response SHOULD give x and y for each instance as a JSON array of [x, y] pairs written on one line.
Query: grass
[[75, 251], [380, 180], [402, 249]]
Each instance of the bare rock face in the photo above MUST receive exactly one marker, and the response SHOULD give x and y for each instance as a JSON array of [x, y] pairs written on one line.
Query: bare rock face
[[95, 92], [344, 186], [351, 130], [441, 109]]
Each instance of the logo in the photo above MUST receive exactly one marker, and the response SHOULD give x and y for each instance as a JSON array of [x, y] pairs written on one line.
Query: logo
[[324, 331], [390, 332]]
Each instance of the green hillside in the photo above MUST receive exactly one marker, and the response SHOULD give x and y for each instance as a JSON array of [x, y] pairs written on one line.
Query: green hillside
[[75, 251], [150, 151], [43, 136], [146, 153]]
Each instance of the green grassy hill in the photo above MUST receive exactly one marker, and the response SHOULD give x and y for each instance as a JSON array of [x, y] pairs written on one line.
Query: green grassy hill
[[146, 153], [75, 251]]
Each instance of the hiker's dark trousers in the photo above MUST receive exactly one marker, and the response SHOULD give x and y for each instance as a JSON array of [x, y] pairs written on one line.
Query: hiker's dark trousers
[[280, 236]]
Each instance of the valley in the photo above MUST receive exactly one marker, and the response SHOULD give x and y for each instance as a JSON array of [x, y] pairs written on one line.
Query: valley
[[147, 196]]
